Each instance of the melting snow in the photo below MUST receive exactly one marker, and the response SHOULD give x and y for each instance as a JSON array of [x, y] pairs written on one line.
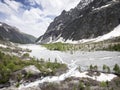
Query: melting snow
[[1, 45]]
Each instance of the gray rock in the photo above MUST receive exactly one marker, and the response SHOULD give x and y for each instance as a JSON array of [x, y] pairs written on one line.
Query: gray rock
[[31, 69], [27, 74], [90, 19], [14, 88]]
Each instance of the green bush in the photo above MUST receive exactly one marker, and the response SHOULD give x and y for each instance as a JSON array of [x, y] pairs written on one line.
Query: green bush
[[10, 64], [81, 86], [59, 46], [18, 84], [103, 84], [104, 67], [95, 68], [29, 74], [26, 55], [116, 68], [91, 67], [115, 47]]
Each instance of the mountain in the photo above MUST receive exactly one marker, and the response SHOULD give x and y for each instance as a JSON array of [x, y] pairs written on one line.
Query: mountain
[[88, 20], [12, 34]]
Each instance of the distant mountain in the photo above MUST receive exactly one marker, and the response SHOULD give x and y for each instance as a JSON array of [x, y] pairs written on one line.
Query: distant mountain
[[89, 19], [12, 34]]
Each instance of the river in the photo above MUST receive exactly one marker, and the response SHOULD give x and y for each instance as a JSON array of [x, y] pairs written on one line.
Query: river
[[80, 58]]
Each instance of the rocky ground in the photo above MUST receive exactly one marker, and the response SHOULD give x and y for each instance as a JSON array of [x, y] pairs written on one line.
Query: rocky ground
[[82, 84], [73, 83]]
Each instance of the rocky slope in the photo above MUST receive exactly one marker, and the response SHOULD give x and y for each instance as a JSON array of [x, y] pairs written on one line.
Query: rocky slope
[[10, 33], [89, 19]]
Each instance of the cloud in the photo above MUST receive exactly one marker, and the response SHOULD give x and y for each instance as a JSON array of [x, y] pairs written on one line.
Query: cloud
[[13, 4], [35, 19], [5, 8], [30, 22]]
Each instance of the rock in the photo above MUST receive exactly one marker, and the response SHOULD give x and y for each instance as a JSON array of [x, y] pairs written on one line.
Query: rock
[[27, 74], [68, 84], [31, 88], [4, 85], [28, 88], [60, 71], [31, 69], [90, 19]]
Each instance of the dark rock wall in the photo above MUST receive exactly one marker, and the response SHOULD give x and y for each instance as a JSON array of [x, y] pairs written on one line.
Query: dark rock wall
[[89, 19]]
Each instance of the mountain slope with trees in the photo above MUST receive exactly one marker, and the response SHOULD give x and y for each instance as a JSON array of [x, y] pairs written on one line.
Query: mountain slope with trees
[[10, 33]]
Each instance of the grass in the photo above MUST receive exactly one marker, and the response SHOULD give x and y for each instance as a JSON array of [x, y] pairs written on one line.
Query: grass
[[83, 46], [58, 46], [64, 46]]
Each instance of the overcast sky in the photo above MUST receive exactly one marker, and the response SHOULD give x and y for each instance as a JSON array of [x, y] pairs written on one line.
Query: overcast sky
[[33, 16]]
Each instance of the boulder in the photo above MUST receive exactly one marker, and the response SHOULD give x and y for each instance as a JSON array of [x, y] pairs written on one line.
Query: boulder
[[31, 69], [27, 74]]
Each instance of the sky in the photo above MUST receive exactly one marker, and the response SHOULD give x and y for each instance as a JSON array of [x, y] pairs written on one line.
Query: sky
[[33, 16]]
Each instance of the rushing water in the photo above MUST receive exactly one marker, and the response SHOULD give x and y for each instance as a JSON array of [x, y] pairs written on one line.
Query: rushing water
[[81, 58]]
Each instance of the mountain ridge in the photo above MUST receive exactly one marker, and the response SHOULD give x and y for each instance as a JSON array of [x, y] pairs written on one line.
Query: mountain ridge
[[96, 18], [11, 33]]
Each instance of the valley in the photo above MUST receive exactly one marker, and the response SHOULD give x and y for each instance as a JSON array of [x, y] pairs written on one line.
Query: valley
[[79, 49]]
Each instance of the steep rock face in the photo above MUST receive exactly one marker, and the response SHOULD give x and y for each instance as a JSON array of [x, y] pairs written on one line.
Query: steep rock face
[[12, 34], [90, 19]]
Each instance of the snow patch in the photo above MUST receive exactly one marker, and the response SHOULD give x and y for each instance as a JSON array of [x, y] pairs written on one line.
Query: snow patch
[[112, 34], [6, 29], [73, 42], [0, 24], [102, 77], [59, 26], [83, 3], [71, 73], [40, 40], [3, 46], [60, 40], [101, 7], [50, 40], [105, 77]]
